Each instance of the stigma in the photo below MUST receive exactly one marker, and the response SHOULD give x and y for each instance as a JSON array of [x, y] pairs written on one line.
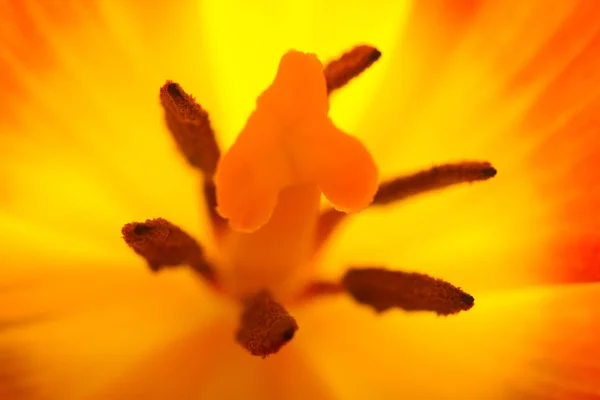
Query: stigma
[[289, 140]]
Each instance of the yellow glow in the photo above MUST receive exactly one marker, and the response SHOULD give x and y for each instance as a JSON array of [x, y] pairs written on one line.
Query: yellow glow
[[84, 149], [485, 353], [466, 115], [262, 34]]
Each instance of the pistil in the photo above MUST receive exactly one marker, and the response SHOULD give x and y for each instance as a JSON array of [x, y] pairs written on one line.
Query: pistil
[[270, 181]]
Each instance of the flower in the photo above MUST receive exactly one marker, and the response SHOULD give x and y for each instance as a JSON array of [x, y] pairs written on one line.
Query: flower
[[84, 150]]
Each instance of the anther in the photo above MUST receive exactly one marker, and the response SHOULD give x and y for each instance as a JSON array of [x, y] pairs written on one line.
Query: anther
[[265, 325], [162, 244], [382, 289], [190, 126], [191, 129], [350, 65], [435, 178]]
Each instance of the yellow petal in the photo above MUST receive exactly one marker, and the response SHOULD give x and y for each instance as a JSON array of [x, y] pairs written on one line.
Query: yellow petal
[[71, 333], [83, 135], [535, 342], [523, 98], [207, 364], [465, 53], [264, 32], [179, 368]]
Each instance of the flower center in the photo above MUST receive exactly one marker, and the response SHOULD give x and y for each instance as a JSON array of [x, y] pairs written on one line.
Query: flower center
[[263, 198]]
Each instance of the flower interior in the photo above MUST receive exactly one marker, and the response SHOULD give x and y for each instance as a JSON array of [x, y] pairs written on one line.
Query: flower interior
[[264, 198]]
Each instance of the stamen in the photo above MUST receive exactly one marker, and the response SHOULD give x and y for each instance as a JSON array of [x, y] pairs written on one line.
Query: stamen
[[383, 289], [350, 65], [190, 127], [265, 325], [397, 189], [163, 244]]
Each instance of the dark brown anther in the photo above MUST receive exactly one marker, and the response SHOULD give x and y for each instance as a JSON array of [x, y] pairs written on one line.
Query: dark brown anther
[[265, 326], [350, 65], [190, 126], [438, 177], [382, 289], [163, 244]]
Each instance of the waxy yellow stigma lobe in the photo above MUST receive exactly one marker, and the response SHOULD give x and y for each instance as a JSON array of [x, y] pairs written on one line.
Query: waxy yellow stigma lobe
[[290, 140]]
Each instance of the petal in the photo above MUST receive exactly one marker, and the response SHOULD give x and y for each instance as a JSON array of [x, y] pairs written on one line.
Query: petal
[[177, 369], [83, 141], [73, 168], [70, 333], [220, 368], [523, 98], [263, 32], [521, 344]]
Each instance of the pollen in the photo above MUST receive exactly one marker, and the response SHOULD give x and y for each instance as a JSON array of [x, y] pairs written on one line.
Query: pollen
[[289, 140], [265, 325]]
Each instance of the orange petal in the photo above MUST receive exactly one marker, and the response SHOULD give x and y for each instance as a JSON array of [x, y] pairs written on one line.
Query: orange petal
[[178, 369], [208, 364], [524, 98], [68, 333]]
